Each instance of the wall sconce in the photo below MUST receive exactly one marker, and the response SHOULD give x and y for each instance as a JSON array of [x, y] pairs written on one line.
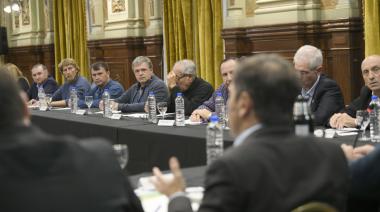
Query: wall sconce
[[13, 6]]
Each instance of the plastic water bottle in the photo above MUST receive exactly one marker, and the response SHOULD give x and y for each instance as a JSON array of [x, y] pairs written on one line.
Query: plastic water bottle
[[374, 107], [73, 100], [302, 118], [41, 99], [179, 110], [214, 140], [220, 109], [152, 111], [107, 111]]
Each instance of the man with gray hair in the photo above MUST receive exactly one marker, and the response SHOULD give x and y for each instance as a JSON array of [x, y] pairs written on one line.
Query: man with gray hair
[[133, 100], [323, 94], [183, 79]]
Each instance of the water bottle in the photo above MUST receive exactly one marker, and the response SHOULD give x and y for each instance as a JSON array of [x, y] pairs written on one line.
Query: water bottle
[[214, 140], [107, 111], [73, 103], [302, 118], [179, 110], [374, 107], [220, 109], [41, 99], [152, 112]]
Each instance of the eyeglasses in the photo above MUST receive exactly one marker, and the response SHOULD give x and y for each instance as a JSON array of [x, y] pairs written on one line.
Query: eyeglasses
[[180, 77]]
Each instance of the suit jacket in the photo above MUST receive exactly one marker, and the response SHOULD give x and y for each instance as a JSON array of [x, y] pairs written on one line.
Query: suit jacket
[[326, 101], [365, 176], [272, 170], [198, 92], [50, 86], [40, 172], [360, 103]]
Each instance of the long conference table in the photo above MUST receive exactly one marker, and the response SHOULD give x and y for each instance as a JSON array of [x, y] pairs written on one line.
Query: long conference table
[[149, 145]]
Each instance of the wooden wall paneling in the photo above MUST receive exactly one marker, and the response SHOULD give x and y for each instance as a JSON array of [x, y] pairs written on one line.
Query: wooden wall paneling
[[120, 53], [27, 56], [341, 42]]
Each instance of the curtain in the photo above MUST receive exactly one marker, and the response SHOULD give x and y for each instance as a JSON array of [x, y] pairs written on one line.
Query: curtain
[[208, 42], [70, 36], [372, 26], [178, 28], [192, 30]]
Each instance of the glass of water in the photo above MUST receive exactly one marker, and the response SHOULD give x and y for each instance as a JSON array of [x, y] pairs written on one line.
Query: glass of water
[[363, 120], [121, 151], [48, 98], [88, 100], [162, 108]]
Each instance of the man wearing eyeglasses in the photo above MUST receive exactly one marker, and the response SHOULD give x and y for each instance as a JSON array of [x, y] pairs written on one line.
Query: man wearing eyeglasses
[[183, 78], [323, 94], [371, 75]]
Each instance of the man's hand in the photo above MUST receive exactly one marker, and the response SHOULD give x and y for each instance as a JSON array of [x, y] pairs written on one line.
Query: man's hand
[[358, 152], [340, 120], [33, 102], [170, 79], [200, 114], [169, 187]]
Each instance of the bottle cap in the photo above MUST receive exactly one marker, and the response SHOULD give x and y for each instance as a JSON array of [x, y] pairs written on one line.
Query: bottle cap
[[218, 93], [179, 94], [214, 118], [151, 93], [374, 97]]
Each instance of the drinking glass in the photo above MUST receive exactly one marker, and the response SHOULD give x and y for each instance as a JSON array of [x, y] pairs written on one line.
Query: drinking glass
[[362, 118], [88, 100], [162, 108], [48, 98], [121, 151]]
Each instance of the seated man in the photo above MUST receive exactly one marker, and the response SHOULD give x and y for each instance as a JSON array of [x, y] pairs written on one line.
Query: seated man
[[183, 78], [101, 76], [324, 94], [41, 78], [268, 168], [371, 75], [204, 112], [70, 71], [41, 172], [133, 100]]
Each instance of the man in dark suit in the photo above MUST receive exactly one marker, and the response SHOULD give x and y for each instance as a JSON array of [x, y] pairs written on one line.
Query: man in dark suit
[[41, 172], [365, 177], [371, 75], [268, 169], [324, 95], [41, 79]]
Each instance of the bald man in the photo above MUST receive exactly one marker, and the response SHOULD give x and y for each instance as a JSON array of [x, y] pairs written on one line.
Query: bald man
[[371, 75]]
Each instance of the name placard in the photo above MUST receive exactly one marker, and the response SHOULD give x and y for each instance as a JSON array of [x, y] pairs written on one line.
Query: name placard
[[80, 112], [167, 123], [116, 116]]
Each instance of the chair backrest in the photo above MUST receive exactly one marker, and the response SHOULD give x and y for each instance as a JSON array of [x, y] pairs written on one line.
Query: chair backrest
[[315, 207]]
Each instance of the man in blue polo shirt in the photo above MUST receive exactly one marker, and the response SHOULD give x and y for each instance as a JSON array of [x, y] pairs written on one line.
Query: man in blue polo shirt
[[101, 76], [70, 71]]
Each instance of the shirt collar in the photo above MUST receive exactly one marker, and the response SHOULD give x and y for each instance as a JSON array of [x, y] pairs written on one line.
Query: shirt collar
[[310, 93], [241, 138]]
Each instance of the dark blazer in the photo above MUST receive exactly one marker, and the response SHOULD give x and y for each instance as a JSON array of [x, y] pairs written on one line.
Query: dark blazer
[[198, 92], [365, 176], [272, 170], [327, 100], [360, 103], [50, 86], [44, 173]]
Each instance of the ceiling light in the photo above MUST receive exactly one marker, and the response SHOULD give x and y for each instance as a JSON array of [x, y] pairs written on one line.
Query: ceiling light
[[8, 9], [15, 7]]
